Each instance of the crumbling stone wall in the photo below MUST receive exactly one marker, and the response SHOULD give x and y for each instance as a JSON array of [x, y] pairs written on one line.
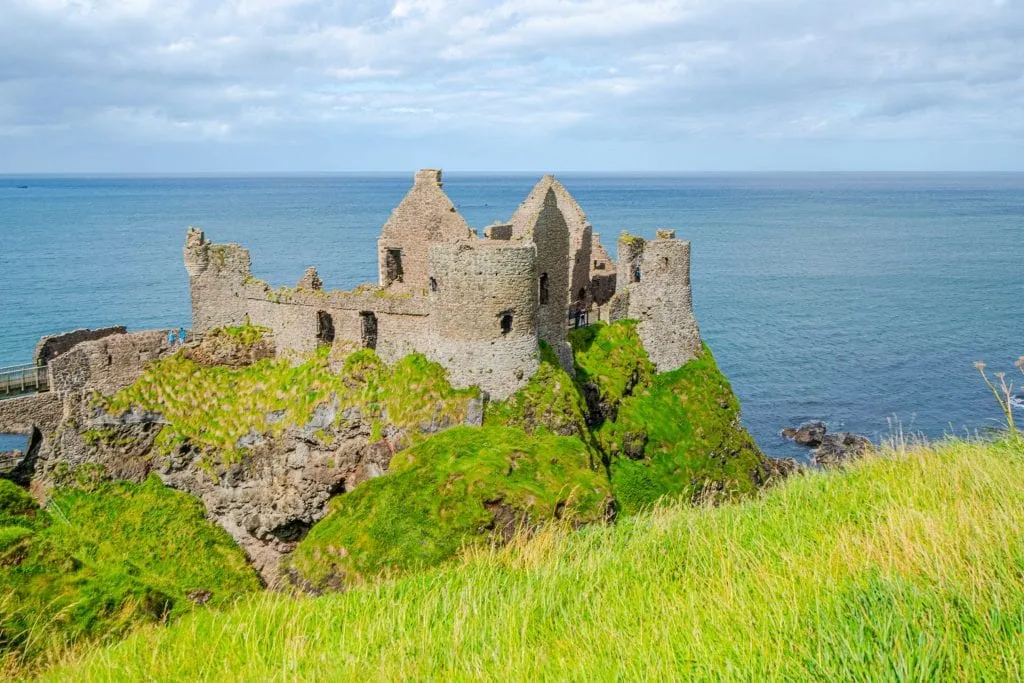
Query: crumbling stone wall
[[22, 414], [540, 221], [484, 320], [425, 216], [661, 299], [51, 346], [451, 292], [217, 274], [106, 365]]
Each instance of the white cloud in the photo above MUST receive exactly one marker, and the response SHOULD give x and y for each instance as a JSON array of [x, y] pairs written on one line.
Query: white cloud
[[778, 69]]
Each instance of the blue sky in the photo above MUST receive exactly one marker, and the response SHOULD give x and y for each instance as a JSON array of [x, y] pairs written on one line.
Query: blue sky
[[588, 85]]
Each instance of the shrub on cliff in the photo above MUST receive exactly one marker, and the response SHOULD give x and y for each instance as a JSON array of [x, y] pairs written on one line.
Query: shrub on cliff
[[96, 562], [462, 487]]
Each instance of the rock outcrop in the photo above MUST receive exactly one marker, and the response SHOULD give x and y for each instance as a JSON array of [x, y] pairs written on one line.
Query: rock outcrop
[[830, 450]]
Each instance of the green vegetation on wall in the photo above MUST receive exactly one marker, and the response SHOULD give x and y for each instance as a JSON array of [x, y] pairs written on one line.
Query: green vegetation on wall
[[462, 486], [96, 562]]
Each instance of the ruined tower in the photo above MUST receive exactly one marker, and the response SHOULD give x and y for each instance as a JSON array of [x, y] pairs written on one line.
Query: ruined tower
[[217, 275], [654, 288], [483, 311]]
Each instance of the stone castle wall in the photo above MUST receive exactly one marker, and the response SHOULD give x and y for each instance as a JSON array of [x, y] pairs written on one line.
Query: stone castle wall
[[217, 275], [51, 346], [476, 306], [106, 365], [540, 222], [657, 293]]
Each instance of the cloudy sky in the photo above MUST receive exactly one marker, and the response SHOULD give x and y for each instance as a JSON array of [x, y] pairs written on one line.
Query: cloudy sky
[[295, 85]]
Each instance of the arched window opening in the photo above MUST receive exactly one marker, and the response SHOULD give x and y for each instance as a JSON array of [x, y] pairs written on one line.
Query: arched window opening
[[324, 328], [506, 323], [433, 285], [636, 274], [582, 294], [664, 261], [368, 329], [543, 288]]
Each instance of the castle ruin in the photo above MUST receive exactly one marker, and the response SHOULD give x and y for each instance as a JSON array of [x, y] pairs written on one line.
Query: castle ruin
[[478, 306]]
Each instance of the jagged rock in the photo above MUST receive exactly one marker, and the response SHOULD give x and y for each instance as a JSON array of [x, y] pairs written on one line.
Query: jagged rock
[[837, 449], [808, 434], [9, 461], [218, 348]]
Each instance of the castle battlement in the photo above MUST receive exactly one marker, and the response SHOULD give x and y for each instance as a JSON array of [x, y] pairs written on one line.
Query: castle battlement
[[479, 307]]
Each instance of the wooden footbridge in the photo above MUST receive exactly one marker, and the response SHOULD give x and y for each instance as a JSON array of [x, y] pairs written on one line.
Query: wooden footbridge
[[23, 379]]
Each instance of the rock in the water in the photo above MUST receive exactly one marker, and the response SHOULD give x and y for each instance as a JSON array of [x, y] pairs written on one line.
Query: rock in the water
[[839, 448], [808, 434]]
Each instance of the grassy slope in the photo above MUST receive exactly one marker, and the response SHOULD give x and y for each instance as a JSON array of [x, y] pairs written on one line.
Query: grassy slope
[[906, 567], [434, 501], [96, 563]]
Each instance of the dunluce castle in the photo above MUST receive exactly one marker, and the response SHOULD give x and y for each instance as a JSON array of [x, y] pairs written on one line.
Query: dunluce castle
[[478, 306]]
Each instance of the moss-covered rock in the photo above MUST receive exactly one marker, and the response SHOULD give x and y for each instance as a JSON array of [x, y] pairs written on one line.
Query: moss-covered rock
[[610, 363], [550, 402], [680, 435], [232, 346], [218, 410], [465, 485], [96, 562]]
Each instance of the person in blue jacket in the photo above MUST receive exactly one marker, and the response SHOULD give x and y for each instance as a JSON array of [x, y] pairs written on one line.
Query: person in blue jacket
[[170, 338], [181, 336]]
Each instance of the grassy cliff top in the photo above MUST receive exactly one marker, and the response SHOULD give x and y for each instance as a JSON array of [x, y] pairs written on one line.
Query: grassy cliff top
[[214, 407], [903, 567], [97, 562]]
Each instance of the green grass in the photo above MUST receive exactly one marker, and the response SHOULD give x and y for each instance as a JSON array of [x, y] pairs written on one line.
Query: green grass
[[97, 562], [680, 435], [905, 567], [443, 495], [549, 402], [213, 407]]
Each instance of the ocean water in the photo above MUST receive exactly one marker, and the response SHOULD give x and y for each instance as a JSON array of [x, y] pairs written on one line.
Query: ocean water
[[859, 299]]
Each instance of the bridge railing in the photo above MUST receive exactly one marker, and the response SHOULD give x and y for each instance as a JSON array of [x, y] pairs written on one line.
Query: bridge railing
[[20, 379]]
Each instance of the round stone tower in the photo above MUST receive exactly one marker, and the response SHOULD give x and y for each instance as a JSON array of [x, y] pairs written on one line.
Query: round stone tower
[[483, 303]]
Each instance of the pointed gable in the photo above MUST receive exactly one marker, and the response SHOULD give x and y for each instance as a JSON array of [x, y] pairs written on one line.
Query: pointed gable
[[425, 216]]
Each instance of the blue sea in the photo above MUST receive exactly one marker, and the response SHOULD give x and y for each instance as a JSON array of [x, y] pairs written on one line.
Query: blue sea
[[859, 299]]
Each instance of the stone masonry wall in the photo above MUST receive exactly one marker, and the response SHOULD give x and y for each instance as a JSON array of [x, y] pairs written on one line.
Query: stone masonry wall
[[218, 274], [425, 216], [21, 414], [106, 365], [51, 346], [483, 322], [662, 300], [540, 221]]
